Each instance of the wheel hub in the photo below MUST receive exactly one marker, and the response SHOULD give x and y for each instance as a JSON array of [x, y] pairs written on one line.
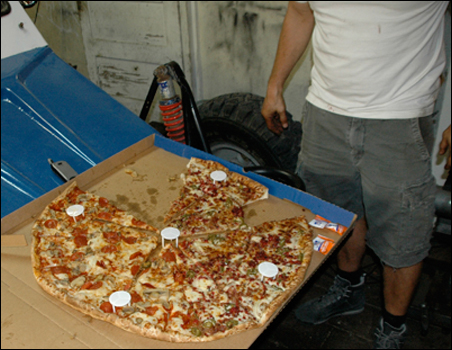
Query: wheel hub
[[233, 154]]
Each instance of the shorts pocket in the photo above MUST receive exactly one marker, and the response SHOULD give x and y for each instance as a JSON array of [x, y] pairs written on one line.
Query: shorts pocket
[[422, 131], [418, 207]]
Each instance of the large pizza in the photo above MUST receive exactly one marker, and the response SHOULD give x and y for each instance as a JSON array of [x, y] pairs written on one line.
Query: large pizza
[[207, 284]]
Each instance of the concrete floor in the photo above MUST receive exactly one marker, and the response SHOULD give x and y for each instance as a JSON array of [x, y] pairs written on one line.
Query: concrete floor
[[356, 331]]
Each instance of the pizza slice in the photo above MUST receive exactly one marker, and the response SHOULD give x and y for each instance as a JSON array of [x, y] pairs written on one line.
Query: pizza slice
[[208, 215], [237, 187], [96, 208], [91, 256], [71, 273], [206, 206], [286, 243], [204, 251]]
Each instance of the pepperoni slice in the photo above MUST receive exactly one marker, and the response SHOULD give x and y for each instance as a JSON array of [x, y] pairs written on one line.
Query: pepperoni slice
[[134, 270], [106, 307], [56, 270], [112, 237], [101, 263], [92, 286], [105, 216], [129, 240], [51, 223], [136, 298], [103, 202], [151, 310], [96, 285], [136, 255], [169, 256], [80, 241], [136, 222], [109, 249]]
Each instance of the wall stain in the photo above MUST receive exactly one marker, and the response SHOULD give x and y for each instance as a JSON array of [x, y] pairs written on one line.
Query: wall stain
[[237, 32]]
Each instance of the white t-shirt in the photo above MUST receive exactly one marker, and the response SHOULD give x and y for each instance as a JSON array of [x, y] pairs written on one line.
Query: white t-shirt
[[377, 59]]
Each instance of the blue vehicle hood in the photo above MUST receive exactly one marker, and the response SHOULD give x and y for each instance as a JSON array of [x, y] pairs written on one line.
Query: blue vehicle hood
[[49, 110]]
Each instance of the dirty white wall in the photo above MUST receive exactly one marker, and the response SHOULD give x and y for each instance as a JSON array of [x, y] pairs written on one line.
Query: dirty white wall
[[237, 46], [59, 24]]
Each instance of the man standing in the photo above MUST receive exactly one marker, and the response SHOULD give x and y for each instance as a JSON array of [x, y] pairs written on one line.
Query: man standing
[[367, 138]]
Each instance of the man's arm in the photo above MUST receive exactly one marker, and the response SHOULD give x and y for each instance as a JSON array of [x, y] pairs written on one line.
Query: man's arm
[[294, 38], [445, 146]]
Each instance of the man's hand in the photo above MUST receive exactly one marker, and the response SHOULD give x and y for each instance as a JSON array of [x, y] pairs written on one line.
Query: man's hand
[[294, 38], [274, 113], [445, 145]]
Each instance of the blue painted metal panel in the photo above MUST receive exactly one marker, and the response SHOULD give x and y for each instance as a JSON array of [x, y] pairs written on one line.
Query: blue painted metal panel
[[49, 110]]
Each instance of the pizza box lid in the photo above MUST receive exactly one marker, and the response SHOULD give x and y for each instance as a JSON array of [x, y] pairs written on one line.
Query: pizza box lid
[[143, 179]]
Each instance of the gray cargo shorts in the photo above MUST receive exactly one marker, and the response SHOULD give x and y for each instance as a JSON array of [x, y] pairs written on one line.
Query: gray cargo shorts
[[377, 169]]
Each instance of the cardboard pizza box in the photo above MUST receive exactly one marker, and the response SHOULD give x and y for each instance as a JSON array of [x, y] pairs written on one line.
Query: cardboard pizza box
[[143, 179]]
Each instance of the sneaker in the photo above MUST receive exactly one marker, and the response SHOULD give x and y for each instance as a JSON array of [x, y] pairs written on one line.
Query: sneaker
[[389, 337], [341, 299]]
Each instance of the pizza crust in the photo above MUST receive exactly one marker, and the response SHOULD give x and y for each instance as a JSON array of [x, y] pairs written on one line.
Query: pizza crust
[[260, 190], [206, 164], [295, 283]]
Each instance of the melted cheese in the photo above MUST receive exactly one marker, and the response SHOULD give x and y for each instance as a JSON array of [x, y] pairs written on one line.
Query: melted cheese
[[256, 239], [192, 295], [204, 284]]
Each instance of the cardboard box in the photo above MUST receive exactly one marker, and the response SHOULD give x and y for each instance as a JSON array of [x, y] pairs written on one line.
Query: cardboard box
[[31, 318]]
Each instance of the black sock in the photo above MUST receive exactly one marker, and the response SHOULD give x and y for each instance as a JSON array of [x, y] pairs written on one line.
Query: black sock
[[394, 321], [353, 277]]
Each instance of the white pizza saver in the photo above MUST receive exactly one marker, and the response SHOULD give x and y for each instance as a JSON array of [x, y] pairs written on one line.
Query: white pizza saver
[[170, 233], [268, 269], [119, 299], [75, 210], [218, 175]]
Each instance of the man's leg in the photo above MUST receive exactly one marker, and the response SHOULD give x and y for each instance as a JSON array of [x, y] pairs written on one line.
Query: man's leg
[[350, 256], [398, 290], [399, 286]]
